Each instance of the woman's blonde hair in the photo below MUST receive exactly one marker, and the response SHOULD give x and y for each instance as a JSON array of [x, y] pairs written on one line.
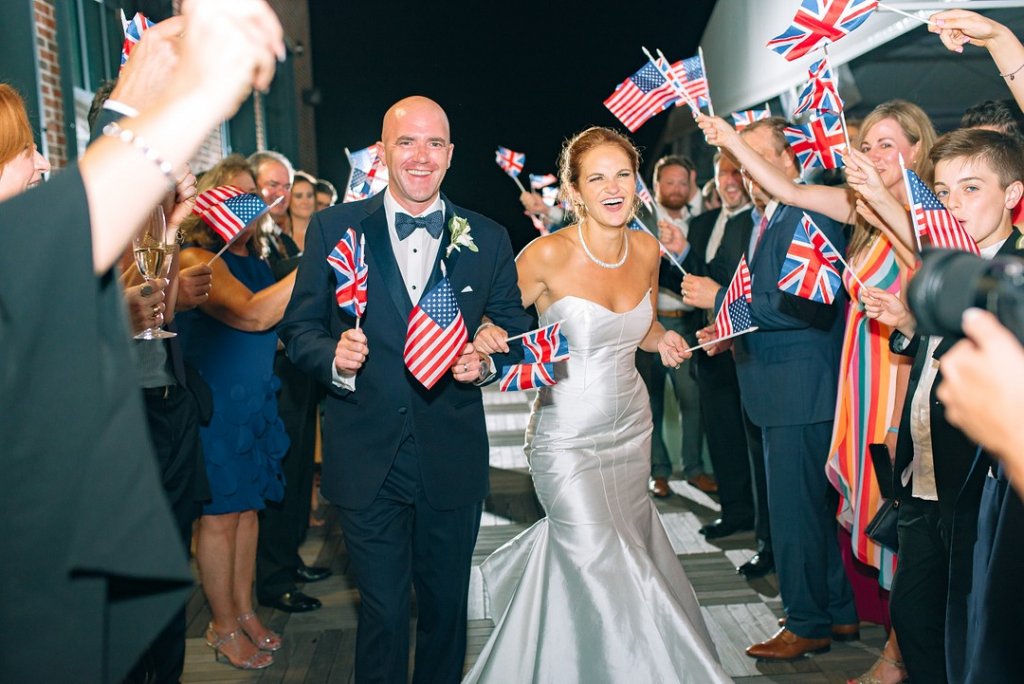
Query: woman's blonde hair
[[195, 229], [15, 131]]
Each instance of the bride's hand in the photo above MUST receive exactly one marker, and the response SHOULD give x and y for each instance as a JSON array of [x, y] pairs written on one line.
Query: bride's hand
[[672, 348], [491, 339]]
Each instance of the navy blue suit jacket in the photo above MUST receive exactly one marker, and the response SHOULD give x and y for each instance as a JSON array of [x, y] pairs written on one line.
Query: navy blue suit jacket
[[363, 429], [788, 369]]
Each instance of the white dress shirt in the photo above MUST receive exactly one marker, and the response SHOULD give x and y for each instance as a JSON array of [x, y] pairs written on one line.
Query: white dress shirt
[[718, 230]]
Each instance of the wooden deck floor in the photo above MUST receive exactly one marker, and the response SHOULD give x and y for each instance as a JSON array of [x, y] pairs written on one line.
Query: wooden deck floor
[[320, 646]]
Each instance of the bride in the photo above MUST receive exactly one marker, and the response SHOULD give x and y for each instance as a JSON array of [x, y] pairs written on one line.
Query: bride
[[594, 592]]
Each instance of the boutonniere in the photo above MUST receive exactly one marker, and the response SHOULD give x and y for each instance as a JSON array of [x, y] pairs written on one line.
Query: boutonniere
[[459, 229]]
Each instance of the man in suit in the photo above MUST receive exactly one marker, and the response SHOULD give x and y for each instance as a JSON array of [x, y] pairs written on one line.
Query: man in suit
[[407, 466], [787, 371]]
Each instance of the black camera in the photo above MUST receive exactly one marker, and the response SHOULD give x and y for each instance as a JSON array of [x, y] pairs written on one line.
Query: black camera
[[951, 281]]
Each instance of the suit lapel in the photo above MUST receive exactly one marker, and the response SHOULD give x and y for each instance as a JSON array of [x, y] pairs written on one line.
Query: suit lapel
[[446, 239], [378, 244]]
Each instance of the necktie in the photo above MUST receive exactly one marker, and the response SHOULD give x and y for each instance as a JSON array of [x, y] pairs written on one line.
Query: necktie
[[761, 226], [432, 222]]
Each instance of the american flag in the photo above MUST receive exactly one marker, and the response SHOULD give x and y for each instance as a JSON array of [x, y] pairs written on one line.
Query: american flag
[[822, 90], [810, 269], [934, 221], [133, 31], [436, 334], [819, 22], [228, 217], [537, 182], [644, 194], [690, 74], [734, 314], [748, 116], [348, 259], [525, 376], [511, 162], [368, 176], [819, 142], [641, 96]]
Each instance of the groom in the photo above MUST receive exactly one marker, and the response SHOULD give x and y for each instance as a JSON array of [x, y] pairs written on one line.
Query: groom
[[407, 466]]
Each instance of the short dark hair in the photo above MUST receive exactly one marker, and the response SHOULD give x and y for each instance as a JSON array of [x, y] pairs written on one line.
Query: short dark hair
[[673, 160], [777, 125], [326, 187], [98, 100], [1003, 115], [1003, 153]]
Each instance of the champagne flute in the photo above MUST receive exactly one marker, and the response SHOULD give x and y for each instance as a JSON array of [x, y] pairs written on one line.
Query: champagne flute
[[151, 256]]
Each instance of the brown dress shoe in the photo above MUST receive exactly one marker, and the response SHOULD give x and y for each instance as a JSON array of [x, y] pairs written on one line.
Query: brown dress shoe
[[788, 646], [849, 632], [660, 488], [705, 483]]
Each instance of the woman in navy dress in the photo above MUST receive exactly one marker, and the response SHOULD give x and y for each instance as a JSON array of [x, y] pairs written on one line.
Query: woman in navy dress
[[231, 340]]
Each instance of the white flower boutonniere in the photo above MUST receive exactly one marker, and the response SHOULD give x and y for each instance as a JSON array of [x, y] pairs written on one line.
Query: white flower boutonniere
[[459, 229]]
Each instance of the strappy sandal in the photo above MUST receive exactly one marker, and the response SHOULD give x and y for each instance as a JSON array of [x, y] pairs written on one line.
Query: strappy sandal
[[870, 677], [257, 661], [270, 641]]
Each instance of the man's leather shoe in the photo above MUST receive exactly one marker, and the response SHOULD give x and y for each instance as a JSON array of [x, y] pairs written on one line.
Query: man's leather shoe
[[723, 528], [705, 483], [660, 488], [788, 646], [293, 602], [850, 632], [306, 573], [758, 566]]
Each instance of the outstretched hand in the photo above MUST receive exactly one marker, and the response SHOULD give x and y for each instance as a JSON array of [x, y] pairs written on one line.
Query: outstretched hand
[[718, 132], [673, 349], [958, 27]]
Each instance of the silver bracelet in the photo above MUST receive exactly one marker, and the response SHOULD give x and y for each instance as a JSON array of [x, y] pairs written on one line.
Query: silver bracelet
[[128, 136], [1010, 75]]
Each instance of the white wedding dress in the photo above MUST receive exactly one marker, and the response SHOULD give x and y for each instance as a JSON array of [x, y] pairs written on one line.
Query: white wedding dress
[[594, 592]]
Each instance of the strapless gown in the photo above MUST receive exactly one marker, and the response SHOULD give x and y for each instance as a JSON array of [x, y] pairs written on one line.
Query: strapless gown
[[594, 592]]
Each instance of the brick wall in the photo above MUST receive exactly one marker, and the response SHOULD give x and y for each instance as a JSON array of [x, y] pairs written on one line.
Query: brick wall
[[55, 144], [294, 17]]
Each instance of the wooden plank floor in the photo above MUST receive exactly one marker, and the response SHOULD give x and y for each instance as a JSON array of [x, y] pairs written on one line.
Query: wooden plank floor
[[320, 646]]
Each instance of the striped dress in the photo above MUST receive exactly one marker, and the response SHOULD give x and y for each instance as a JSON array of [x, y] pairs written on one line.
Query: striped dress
[[867, 388]]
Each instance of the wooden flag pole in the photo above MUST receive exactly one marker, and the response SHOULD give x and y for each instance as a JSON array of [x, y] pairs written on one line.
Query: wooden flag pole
[[704, 68]]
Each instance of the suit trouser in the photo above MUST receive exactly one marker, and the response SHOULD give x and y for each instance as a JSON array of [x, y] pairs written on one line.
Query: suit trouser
[[173, 420], [812, 580], [755, 452], [401, 540], [917, 603], [283, 523], [687, 398]]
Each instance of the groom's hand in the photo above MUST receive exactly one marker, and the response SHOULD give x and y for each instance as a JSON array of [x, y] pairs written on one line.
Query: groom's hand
[[468, 367], [350, 354]]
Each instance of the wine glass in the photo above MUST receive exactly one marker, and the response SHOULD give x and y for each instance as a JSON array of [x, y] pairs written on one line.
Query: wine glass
[[152, 256]]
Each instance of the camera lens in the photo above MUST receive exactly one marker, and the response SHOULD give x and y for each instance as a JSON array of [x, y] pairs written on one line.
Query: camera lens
[[948, 283]]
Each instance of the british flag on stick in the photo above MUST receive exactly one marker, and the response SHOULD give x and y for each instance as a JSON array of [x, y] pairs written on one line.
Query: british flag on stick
[[818, 22], [348, 259], [819, 142], [811, 268]]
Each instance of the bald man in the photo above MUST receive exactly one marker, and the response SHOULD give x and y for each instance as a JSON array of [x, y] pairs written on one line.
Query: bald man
[[407, 466]]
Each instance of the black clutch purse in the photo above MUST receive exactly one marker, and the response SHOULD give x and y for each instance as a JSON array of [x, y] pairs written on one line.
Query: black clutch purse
[[882, 527]]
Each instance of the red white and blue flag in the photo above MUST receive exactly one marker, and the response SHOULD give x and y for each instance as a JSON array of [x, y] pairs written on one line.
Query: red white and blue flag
[[525, 376], [368, 174], [537, 181], [228, 210], [644, 194], [818, 22], [348, 260], [133, 31], [734, 315], [821, 93], [748, 116], [436, 334], [933, 220], [819, 142], [510, 162], [542, 348], [641, 96], [689, 75], [811, 268]]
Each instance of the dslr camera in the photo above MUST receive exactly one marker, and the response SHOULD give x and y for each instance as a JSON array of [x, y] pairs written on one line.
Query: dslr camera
[[951, 281]]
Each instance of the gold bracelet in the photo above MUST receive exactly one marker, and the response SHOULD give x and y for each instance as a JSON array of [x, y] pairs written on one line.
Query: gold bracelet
[[1010, 75], [128, 136]]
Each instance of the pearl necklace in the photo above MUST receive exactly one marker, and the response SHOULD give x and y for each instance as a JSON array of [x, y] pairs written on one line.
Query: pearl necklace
[[590, 255]]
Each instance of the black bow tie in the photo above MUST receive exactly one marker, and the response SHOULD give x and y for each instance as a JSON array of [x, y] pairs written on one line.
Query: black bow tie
[[432, 223]]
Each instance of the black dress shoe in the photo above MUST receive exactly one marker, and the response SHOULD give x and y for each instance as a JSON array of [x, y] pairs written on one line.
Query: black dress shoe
[[293, 602], [758, 566], [306, 573], [723, 528]]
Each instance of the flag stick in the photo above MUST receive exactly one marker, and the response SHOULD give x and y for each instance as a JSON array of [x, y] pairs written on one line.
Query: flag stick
[[722, 339], [516, 179], [362, 257], [677, 85], [528, 332], [913, 218], [704, 68], [668, 254], [351, 170], [887, 8]]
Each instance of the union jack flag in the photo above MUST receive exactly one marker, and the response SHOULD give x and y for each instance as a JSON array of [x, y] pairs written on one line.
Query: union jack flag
[[819, 22], [525, 376], [537, 182], [436, 334], [368, 174], [510, 162], [542, 349], [641, 96], [748, 116], [348, 260], [819, 142], [228, 210], [734, 314], [644, 194], [933, 220], [822, 90], [133, 31], [811, 266]]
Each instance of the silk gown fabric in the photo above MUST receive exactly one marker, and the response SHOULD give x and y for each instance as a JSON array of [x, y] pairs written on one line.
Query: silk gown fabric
[[867, 392], [594, 592]]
